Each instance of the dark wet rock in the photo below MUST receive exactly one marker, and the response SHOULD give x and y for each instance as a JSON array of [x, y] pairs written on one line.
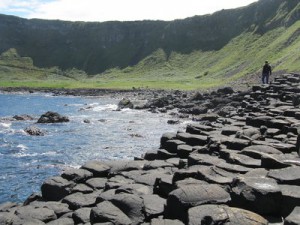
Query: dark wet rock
[[183, 151], [171, 145], [31, 212], [270, 162], [98, 168], [162, 154], [225, 90], [230, 130], [56, 188], [23, 117], [293, 218], [260, 195], [34, 131], [82, 215], [223, 214], [198, 129], [125, 103], [236, 143], [290, 175], [77, 175], [108, 212], [52, 117], [192, 139], [258, 121], [131, 205], [181, 199]]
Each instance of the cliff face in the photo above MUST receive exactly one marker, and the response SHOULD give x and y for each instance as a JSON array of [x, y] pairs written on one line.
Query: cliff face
[[95, 47]]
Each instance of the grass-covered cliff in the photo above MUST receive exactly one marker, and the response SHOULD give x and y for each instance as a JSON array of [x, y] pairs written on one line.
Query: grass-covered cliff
[[200, 51]]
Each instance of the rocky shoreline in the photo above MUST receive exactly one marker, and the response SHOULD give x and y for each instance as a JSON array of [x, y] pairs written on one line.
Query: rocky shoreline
[[236, 163]]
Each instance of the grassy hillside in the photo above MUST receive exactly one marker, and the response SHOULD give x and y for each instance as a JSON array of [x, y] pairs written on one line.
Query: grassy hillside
[[242, 57], [273, 36]]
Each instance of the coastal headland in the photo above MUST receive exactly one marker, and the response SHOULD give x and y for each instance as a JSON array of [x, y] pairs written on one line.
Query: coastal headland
[[237, 162]]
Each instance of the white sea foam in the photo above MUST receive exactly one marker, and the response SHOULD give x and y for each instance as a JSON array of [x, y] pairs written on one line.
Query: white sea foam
[[5, 125], [108, 107], [22, 147]]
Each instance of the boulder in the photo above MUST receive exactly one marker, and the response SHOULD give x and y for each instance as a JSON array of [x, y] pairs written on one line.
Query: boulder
[[31, 212], [77, 175], [153, 206], [58, 207], [181, 199], [193, 139], [96, 183], [131, 205], [165, 222], [52, 117], [82, 215], [290, 175], [23, 117], [223, 214], [34, 131], [62, 221], [98, 168], [79, 200], [257, 194], [125, 103], [108, 212], [56, 188]]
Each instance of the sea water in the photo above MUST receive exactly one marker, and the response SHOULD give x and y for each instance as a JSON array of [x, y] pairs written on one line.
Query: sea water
[[96, 131]]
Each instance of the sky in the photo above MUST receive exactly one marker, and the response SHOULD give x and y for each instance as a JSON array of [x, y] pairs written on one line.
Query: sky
[[112, 10]]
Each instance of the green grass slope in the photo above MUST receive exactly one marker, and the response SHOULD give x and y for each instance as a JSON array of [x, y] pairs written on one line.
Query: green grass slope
[[241, 59]]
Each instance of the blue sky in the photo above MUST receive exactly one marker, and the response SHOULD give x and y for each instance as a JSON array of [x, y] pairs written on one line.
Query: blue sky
[[121, 10]]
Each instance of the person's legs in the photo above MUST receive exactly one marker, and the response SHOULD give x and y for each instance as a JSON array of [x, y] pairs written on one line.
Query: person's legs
[[263, 78], [267, 78]]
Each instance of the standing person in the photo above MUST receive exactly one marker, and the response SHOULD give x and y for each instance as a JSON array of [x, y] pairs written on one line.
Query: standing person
[[266, 72]]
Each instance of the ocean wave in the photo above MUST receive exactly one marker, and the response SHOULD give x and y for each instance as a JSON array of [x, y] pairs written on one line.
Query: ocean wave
[[26, 154]]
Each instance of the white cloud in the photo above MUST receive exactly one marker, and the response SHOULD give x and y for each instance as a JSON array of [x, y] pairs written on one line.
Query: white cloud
[[122, 10]]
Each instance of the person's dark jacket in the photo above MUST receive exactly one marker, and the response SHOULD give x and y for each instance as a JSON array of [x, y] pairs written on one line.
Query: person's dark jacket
[[267, 69]]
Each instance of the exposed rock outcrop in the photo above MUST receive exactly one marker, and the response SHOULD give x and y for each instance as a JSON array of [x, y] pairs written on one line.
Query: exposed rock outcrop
[[240, 167]]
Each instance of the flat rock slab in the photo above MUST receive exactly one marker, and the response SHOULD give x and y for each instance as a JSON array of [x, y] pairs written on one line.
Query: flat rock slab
[[181, 199], [108, 212], [154, 206], [147, 177], [263, 149], [80, 200], [244, 160], [215, 175], [203, 159], [96, 183], [165, 222], [290, 175], [62, 221], [257, 194], [98, 168], [31, 212], [291, 198], [125, 165], [58, 207], [293, 218], [192, 139], [222, 214], [77, 175]]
